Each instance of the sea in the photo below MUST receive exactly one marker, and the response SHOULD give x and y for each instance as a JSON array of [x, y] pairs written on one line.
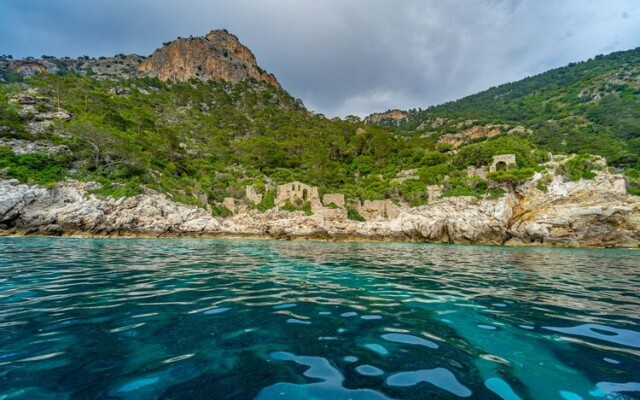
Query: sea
[[273, 319]]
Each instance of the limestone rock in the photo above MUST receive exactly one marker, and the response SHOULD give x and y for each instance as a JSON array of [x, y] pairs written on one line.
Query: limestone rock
[[392, 115], [69, 208], [218, 55], [594, 213], [20, 146]]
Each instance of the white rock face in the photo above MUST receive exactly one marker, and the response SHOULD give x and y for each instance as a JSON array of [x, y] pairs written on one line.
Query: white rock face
[[19, 146], [72, 210], [596, 213]]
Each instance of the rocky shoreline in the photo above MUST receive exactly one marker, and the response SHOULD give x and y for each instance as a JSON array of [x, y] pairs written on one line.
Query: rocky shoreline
[[587, 213]]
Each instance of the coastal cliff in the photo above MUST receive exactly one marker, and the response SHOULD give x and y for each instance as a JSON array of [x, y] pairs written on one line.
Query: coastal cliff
[[196, 139], [587, 213]]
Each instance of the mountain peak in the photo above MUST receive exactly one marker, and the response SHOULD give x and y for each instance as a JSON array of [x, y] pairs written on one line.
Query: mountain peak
[[218, 55]]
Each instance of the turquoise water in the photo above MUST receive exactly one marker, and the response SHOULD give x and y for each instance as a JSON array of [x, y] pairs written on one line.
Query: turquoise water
[[242, 319]]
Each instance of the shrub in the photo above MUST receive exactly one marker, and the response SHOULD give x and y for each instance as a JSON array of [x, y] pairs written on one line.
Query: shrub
[[495, 193], [354, 215], [306, 207], [117, 190], [220, 211], [542, 186], [511, 177], [633, 176], [579, 167], [33, 167], [268, 201], [461, 191], [287, 206]]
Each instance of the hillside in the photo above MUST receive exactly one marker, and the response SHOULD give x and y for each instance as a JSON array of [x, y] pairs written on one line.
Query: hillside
[[590, 107], [183, 124]]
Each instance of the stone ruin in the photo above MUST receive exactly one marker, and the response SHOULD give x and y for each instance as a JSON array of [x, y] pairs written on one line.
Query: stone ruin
[[296, 192], [333, 198], [434, 192], [251, 194], [377, 209], [477, 171], [502, 162]]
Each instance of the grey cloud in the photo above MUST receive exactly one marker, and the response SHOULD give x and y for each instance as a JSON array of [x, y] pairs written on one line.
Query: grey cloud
[[341, 57]]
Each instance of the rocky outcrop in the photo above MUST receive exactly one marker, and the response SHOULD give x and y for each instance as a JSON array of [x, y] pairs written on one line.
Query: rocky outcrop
[[119, 67], [68, 208], [38, 112], [20, 146], [219, 56], [459, 138], [589, 213], [391, 115], [593, 213]]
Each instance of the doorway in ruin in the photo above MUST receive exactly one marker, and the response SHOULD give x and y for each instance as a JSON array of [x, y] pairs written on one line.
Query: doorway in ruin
[[501, 166]]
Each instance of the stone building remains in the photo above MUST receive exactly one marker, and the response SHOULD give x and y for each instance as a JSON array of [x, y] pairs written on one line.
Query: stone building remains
[[296, 192], [477, 171], [251, 194], [377, 209], [502, 162], [230, 203], [434, 192], [333, 198]]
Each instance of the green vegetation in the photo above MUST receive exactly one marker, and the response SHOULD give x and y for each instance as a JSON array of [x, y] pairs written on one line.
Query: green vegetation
[[194, 139], [634, 181], [34, 167], [354, 215], [268, 201], [579, 167], [298, 205], [117, 190], [591, 107], [512, 177], [210, 140], [11, 124]]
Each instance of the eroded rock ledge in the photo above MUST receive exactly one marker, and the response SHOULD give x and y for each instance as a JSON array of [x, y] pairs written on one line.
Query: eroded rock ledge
[[588, 213]]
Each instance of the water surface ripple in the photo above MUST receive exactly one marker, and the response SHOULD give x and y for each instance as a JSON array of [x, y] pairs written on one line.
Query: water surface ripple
[[245, 319]]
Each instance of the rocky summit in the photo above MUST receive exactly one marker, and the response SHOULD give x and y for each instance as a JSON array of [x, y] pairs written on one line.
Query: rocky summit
[[218, 55]]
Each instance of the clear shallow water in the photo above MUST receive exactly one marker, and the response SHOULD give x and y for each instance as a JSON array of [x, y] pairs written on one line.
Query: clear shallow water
[[240, 319]]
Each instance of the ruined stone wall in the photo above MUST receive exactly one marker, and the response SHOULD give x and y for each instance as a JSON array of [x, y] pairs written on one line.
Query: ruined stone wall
[[335, 198], [378, 209], [434, 192], [296, 190], [508, 159], [477, 171], [251, 194], [230, 203]]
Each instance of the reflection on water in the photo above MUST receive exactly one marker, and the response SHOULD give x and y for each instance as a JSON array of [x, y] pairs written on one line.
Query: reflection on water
[[240, 319]]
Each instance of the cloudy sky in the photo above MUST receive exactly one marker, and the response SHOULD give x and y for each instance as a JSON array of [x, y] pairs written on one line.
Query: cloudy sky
[[344, 56]]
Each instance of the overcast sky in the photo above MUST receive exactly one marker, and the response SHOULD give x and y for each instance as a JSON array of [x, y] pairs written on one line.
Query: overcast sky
[[344, 56]]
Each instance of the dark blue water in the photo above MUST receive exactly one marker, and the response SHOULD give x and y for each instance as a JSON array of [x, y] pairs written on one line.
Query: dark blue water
[[240, 319]]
